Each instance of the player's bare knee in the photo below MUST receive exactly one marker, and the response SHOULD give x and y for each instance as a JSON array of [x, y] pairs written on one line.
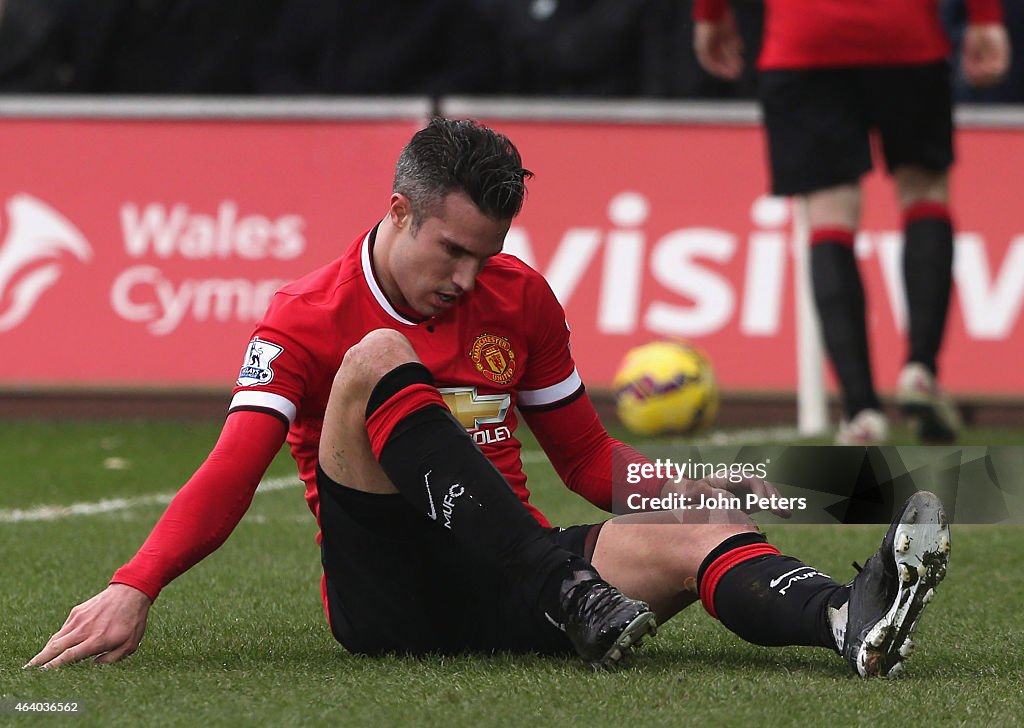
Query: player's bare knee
[[917, 184], [364, 364], [834, 207]]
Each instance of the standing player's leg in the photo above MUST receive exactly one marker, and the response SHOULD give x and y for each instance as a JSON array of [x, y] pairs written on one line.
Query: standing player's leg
[[833, 217], [928, 281], [386, 430], [818, 149], [927, 257], [915, 118], [770, 599]]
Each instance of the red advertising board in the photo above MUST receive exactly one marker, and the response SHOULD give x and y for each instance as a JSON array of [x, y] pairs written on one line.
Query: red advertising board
[[664, 230], [140, 253]]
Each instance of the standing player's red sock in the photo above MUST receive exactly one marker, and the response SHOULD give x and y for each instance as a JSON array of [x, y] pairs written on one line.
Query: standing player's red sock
[[767, 598], [438, 468]]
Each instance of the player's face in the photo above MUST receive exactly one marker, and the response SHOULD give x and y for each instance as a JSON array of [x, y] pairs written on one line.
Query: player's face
[[431, 269]]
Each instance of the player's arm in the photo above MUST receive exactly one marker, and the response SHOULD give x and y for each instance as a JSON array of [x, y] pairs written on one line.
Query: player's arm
[[198, 520], [588, 460], [614, 476], [716, 39], [986, 44]]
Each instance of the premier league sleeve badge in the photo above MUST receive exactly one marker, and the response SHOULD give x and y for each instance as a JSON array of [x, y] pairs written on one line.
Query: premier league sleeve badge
[[256, 368]]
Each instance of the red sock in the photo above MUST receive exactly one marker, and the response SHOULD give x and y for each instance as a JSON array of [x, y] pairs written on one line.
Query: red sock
[[764, 597], [405, 390]]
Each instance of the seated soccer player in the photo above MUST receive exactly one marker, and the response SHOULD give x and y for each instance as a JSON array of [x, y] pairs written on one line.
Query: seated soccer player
[[396, 373]]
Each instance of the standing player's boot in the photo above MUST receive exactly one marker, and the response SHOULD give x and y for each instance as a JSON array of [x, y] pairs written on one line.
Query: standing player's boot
[[887, 596], [603, 625], [867, 427], [923, 401]]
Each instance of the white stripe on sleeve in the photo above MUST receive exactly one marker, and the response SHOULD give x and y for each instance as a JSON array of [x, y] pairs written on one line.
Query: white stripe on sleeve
[[265, 400], [552, 394]]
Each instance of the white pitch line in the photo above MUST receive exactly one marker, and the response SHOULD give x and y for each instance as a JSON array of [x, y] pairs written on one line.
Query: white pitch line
[[111, 505], [753, 436]]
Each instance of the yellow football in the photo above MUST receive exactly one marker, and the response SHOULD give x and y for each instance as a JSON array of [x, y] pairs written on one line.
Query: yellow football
[[665, 387]]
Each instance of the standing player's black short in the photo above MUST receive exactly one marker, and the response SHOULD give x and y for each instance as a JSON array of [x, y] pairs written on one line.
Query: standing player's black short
[[400, 582], [819, 122]]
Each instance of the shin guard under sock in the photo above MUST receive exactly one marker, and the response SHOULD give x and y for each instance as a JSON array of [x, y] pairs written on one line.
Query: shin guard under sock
[[437, 467], [767, 598], [927, 277], [839, 298]]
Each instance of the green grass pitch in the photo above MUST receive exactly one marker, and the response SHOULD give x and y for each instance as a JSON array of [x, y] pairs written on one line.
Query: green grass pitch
[[241, 639]]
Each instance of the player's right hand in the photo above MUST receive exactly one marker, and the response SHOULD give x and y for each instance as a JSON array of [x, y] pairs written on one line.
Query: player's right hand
[[109, 625], [719, 47]]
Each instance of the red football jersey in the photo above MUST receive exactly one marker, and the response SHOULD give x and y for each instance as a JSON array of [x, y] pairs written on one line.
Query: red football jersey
[[505, 344], [824, 33]]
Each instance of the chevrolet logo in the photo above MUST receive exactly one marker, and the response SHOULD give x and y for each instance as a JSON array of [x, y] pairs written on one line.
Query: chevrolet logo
[[472, 409]]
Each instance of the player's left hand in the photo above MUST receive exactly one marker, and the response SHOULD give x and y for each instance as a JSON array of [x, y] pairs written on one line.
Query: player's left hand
[[767, 495], [986, 54], [719, 47]]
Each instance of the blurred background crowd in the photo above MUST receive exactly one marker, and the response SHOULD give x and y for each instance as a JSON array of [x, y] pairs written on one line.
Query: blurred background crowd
[[567, 48]]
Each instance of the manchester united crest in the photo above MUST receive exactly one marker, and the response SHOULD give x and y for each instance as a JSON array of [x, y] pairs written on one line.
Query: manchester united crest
[[493, 357]]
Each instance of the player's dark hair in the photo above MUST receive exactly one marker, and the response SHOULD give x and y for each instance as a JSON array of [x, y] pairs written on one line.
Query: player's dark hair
[[461, 156]]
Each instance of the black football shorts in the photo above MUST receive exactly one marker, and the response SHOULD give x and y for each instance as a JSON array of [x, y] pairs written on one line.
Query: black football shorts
[[398, 582], [820, 122]]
